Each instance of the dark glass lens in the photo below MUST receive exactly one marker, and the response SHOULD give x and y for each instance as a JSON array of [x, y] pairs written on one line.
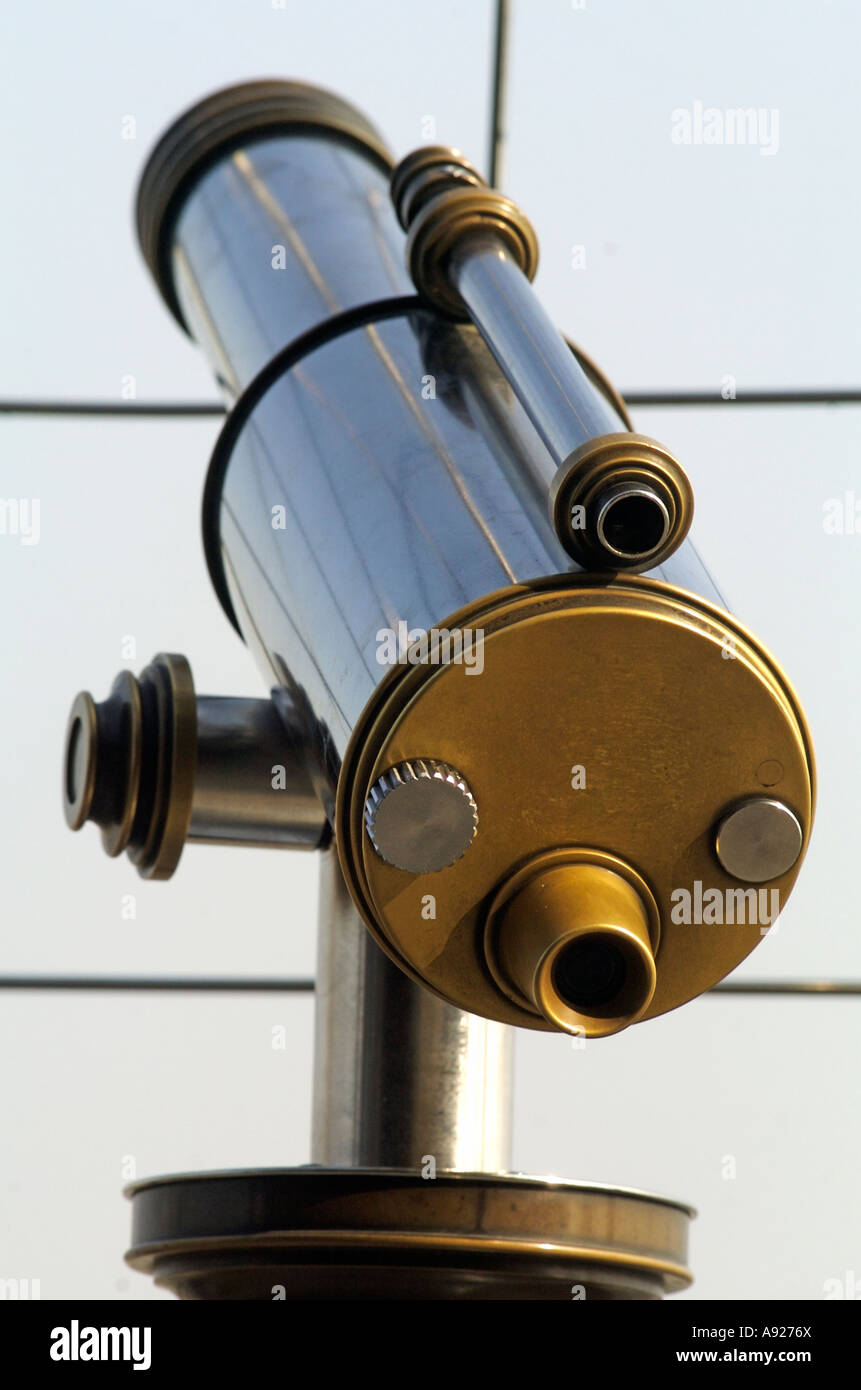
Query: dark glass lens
[[589, 972]]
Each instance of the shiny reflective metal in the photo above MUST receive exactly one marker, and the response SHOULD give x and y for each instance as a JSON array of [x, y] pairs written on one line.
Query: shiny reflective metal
[[759, 840], [551, 386], [656, 712], [399, 1075], [413, 483], [566, 410], [392, 479], [231, 120], [473, 253], [251, 785], [258, 251], [421, 816], [154, 766], [426, 172]]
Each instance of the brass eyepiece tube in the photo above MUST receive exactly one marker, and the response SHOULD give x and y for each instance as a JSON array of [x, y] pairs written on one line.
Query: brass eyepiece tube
[[574, 942]]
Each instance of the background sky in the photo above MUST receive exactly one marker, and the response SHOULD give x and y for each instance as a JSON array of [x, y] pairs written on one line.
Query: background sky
[[702, 262]]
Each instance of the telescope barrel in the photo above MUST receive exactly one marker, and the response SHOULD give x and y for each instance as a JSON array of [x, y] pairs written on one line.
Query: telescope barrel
[[556, 784], [427, 516], [550, 384], [253, 240]]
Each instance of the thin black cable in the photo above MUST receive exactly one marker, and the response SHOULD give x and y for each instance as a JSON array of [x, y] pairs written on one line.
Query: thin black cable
[[178, 984], [767, 396], [298, 985], [833, 395], [783, 987], [164, 409], [360, 316], [497, 96]]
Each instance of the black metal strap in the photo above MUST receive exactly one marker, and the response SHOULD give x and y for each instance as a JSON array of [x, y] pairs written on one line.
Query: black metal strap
[[318, 336]]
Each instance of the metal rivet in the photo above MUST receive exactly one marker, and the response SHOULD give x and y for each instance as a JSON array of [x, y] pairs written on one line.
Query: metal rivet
[[759, 840]]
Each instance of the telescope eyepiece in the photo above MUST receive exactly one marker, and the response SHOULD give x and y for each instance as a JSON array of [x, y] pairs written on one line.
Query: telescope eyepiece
[[631, 521], [589, 971], [573, 938]]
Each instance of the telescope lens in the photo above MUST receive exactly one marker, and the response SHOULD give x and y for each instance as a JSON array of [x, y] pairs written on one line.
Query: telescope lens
[[589, 972], [633, 523], [74, 757]]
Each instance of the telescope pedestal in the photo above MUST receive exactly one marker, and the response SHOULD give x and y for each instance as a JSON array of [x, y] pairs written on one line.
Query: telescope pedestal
[[408, 1195], [354, 1234]]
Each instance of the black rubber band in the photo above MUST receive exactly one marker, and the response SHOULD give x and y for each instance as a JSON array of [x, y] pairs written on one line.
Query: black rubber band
[[322, 333]]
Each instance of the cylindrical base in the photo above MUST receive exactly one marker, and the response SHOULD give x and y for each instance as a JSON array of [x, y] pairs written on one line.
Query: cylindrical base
[[400, 1077], [307, 1233], [411, 1100]]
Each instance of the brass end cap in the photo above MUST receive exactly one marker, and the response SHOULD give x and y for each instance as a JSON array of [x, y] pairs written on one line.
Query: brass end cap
[[574, 941], [129, 764], [445, 220], [439, 198], [427, 172], [632, 682], [215, 126], [621, 502]]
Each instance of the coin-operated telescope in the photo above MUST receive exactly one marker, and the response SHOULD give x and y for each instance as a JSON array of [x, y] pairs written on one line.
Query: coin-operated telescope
[[506, 699]]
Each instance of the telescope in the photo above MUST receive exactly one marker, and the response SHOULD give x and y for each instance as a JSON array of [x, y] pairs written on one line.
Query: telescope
[[553, 783]]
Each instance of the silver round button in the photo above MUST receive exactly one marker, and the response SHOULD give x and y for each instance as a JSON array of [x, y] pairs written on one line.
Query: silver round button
[[421, 816], [759, 840]]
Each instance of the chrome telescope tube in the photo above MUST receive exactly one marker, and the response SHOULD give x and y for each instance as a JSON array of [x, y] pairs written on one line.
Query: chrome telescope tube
[[245, 232], [251, 255], [552, 387], [429, 519], [636, 521], [524, 759]]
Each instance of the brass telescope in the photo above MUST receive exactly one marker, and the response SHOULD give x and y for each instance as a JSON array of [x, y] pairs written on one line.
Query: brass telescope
[[506, 698]]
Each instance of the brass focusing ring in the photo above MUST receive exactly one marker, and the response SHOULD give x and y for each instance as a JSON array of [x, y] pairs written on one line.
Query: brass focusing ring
[[608, 462], [130, 762], [424, 174], [445, 220]]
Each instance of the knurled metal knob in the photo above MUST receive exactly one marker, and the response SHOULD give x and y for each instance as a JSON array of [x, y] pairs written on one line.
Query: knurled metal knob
[[421, 816]]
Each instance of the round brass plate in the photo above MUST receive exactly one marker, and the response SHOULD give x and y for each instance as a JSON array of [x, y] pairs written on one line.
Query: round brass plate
[[624, 717]]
